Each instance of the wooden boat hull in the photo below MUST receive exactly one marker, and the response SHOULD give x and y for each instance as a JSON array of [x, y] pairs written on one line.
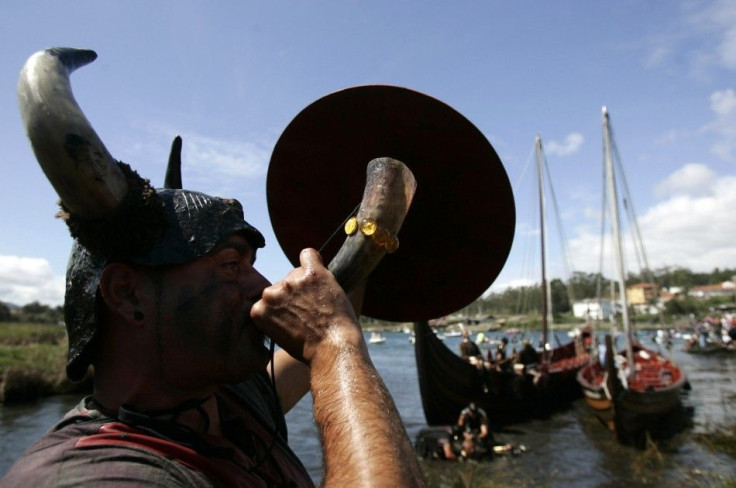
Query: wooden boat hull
[[710, 348], [448, 384], [597, 401], [655, 388], [644, 405], [595, 396], [658, 402]]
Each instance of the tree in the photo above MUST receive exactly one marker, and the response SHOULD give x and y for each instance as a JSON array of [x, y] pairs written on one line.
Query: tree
[[34, 308], [683, 306], [37, 312], [5, 313], [585, 285], [560, 298]]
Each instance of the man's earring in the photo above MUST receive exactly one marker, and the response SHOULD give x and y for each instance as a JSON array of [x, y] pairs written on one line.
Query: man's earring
[[138, 315]]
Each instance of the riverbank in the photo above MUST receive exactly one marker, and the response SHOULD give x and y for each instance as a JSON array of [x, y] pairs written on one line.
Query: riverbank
[[32, 362]]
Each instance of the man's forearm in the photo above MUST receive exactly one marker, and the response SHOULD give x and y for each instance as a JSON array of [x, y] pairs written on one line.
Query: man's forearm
[[292, 379], [359, 423]]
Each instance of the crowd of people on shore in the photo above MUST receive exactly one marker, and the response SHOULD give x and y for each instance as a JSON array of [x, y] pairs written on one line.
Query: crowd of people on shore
[[712, 330]]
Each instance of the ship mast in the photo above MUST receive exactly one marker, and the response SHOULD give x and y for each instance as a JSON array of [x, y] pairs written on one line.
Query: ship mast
[[546, 290], [616, 227]]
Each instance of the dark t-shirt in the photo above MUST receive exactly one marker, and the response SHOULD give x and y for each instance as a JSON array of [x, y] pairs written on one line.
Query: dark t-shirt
[[472, 422], [528, 355], [469, 349], [88, 448]]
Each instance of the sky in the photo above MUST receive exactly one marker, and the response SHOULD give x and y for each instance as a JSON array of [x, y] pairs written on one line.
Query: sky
[[229, 76]]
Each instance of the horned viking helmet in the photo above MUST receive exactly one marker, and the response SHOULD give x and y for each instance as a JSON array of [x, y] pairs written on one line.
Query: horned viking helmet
[[113, 214]]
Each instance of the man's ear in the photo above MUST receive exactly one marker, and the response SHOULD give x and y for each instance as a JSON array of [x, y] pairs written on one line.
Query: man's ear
[[120, 287]]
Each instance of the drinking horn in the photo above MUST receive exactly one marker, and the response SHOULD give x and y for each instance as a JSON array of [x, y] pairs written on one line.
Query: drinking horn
[[372, 231], [102, 200]]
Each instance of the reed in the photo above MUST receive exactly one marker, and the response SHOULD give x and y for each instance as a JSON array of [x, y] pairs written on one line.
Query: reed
[[720, 440], [32, 362]]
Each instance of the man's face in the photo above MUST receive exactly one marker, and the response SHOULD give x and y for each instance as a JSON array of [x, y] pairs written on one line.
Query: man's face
[[205, 334]]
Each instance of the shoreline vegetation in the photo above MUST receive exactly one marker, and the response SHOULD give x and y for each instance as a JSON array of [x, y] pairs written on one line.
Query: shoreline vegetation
[[32, 362]]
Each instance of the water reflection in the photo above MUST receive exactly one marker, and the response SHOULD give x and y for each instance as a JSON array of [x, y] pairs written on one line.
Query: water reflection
[[22, 424]]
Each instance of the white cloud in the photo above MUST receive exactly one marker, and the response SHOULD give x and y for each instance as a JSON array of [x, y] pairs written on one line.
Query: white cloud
[[570, 145], [723, 102], [723, 105], [692, 228], [716, 24], [219, 159], [694, 231], [669, 137], [693, 179], [24, 280], [658, 55], [214, 165], [703, 38], [722, 15]]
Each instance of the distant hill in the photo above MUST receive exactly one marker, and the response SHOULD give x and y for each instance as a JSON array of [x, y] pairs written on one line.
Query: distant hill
[[11, 306]]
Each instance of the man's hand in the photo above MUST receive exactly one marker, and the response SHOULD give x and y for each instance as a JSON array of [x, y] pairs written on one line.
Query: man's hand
[[306, 310]]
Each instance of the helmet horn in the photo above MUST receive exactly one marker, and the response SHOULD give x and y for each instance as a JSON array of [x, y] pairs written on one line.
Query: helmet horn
[[173, 170], [84, 174]]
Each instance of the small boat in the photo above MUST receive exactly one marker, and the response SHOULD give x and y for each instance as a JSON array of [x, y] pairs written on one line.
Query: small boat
[[516, 389], [630, 400], [376, 338], [694, 346], [636, 391]]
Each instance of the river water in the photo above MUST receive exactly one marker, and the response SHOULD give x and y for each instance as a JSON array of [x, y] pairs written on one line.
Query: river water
[[568, 450]]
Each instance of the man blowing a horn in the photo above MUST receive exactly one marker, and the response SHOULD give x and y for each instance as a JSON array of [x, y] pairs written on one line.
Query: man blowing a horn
[[164, 302]]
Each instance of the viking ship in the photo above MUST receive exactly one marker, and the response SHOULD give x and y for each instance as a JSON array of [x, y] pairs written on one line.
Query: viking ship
[[448, 383], [632, 390]]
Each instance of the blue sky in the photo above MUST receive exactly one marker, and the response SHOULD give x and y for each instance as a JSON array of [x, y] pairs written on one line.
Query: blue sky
[[229, 76]]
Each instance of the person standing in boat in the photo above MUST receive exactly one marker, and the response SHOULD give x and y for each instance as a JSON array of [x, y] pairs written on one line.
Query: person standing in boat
[[528, 356], [469, 350], [529, 361]]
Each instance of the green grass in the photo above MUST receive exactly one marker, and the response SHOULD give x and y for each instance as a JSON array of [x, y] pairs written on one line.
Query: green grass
[[17, 334], [43, 357], [32, 362]]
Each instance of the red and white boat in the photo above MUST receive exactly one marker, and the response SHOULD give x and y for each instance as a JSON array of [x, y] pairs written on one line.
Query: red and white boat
[[634, 390]]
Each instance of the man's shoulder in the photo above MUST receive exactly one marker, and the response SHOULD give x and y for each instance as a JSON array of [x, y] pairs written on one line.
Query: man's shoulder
[[65, 457], [257, 395]]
